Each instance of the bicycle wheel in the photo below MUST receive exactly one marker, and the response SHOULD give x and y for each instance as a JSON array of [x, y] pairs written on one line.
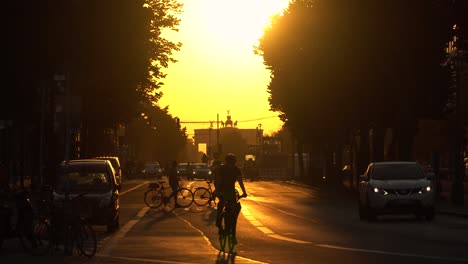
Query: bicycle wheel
[[201, 196], [85, 239], [38, 242], [184, 197], [153, 198]]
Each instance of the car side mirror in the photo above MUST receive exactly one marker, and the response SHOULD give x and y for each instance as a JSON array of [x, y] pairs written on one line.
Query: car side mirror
[[362, 177]]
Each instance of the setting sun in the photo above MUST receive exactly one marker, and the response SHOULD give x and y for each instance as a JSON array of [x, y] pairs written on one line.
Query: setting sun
[[217, 69]]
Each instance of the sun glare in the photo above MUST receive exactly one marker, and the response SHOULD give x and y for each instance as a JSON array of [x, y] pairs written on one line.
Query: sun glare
[[217, 68], [239, 22]]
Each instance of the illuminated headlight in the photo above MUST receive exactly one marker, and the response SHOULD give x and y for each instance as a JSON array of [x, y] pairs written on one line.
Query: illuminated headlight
[[379, 190], [425, 190], [209, 172], [194, 172]]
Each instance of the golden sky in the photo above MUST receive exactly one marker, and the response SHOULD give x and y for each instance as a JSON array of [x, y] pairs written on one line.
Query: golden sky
[[217, 69]]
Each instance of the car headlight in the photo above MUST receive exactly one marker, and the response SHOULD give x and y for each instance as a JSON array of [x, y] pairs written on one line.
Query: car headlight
[[379, 190], [425, 190]]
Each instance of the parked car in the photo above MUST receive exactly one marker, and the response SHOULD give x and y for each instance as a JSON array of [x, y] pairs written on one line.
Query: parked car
[[201, 170], [95, 178], [115, 162], [395, 187], [152, 170], [185, 170]]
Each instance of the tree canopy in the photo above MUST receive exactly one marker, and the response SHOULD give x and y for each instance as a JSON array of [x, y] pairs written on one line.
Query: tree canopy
[[337, 65], [111, 53]]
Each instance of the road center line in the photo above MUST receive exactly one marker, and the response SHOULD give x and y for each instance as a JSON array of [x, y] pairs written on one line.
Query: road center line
[[267, 231]]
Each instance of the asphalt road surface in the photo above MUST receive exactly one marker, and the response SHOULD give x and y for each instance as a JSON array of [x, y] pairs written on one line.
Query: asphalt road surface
[[280, 222]]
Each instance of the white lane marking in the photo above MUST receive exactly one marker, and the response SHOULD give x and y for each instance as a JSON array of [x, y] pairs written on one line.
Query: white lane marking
[[267, 231], [253, 199], [392, 253], [208, 240], [136, 187], [122, 232]]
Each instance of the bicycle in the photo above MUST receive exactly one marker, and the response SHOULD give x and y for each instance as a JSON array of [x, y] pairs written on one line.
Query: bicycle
[[156, 195], [227, 230], [32, 233], [203, 195], [69, 227]]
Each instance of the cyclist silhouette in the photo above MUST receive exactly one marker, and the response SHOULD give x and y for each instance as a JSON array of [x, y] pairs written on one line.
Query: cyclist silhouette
[[173, 180], [228, 174]]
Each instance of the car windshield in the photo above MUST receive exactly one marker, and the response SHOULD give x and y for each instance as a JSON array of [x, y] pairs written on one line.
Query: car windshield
[[83, 178], [397, 172], [182, 166], [201, 166], [152, 166]]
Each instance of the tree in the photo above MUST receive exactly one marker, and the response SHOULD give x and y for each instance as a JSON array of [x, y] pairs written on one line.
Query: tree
[[111, 52], [156, 137], [340, 65]]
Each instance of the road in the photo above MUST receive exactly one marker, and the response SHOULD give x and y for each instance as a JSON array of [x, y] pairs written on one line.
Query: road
[[280, 222]]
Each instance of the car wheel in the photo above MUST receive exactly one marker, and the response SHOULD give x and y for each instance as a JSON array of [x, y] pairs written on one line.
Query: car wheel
[[114, 225], [371, 215]]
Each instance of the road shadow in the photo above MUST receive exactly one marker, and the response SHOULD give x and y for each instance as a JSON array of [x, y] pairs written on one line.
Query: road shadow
[[207, 213], [156, 216], [225, 258]]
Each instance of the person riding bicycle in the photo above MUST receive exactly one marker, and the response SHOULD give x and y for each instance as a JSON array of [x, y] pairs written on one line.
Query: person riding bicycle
[[228, 174], [173, 180]]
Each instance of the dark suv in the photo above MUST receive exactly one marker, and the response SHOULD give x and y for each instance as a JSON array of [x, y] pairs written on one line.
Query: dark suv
[[95, 179]]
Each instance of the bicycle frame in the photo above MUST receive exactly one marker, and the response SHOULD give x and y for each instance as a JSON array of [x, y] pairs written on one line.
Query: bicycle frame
[[156, 196], [205, 194]]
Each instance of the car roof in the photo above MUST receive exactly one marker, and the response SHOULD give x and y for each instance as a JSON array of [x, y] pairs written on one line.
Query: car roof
[[86, 161], [394, 162], [108, 158]]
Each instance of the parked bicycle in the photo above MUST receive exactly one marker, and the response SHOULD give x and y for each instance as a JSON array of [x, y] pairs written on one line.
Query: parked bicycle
[[227, 230], [158, 194], [17, 221], [67, 227], [204, 195]]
